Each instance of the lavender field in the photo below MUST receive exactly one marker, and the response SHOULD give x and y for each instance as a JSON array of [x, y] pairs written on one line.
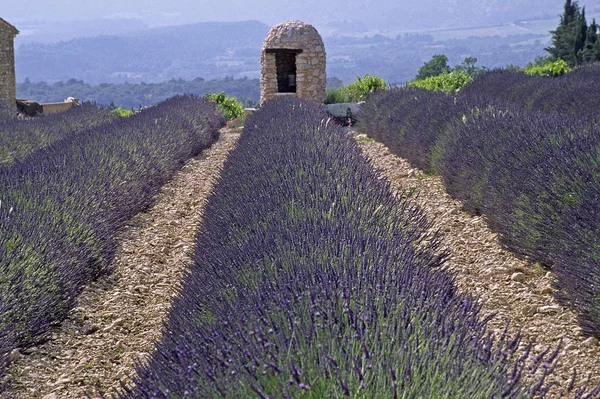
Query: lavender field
[[310, 277]]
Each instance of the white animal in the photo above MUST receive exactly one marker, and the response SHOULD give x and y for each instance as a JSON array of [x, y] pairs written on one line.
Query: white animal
[[73, 100]]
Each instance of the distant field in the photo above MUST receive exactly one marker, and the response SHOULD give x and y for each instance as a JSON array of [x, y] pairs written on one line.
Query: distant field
[[535, 27]]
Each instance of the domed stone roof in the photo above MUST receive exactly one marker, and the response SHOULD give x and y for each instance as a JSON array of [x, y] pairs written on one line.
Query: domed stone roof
[[293, 34], [293, 62]]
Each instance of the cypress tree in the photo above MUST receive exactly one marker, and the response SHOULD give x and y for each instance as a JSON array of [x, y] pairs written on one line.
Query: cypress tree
[[580, 36], [597, 50], [567, 36], [591, 48]]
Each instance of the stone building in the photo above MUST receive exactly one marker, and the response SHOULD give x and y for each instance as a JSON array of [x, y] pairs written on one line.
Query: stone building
[[8, 84], [293, 62]]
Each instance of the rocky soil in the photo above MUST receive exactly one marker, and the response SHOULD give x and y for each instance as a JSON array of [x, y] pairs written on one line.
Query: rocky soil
[[119, 317]]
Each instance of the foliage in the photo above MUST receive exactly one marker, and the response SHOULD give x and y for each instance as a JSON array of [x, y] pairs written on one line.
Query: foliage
[[551, 69], [337, 95], [356, 91], [229, 106], [19, 138], [312, 280], [533, 174], [450, 80], [62, 206], [513, 68], [123, 113], [434, 67], [447, 82], [362, 87], [539, 61]]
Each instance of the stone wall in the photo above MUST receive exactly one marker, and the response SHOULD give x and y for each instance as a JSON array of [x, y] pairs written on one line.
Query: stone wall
[[8, 85], [310, 63], [54, 108]]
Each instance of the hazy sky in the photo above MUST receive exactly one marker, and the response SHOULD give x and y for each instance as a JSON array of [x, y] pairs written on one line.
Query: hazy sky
[[374, 14], [168, 12]]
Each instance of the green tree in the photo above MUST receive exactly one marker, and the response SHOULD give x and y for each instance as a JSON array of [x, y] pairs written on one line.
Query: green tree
[[436, 66], [569, 37], [580, 36], [591, 48], [468, 66]]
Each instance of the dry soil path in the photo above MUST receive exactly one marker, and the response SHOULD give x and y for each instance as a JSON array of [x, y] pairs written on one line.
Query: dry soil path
[[514, 289], [119, 317]]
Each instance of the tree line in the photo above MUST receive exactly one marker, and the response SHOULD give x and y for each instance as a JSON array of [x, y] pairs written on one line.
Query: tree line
[[135, 96]]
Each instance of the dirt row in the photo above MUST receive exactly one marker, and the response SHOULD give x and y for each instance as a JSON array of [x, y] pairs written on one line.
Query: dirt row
[[119, 317]]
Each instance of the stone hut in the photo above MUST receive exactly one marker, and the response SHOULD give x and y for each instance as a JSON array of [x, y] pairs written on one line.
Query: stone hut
[[8, 83], [293, 62]]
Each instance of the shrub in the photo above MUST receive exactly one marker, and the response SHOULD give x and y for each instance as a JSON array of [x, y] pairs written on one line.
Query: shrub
[[434, 67], [447, 82], [362, 87], [355, 92], [552, 69], [123, 113], [229, 106], [337, 96]]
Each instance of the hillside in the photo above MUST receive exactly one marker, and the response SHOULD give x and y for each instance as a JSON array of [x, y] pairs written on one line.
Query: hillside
[[218, 49], [159, 54]]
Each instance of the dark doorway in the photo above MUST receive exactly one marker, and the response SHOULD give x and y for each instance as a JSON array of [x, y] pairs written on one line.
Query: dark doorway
[[285, 61]]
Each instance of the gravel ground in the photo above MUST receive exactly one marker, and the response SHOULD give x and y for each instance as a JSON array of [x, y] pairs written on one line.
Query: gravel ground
[[119, 317]]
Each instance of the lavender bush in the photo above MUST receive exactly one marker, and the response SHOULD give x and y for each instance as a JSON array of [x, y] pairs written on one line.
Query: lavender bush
[[311, 280], [61, 207], [533, 174], [19, 138], [576, 93]]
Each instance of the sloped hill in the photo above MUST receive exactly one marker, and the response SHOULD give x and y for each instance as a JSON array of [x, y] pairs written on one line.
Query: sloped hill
[[159, 54]]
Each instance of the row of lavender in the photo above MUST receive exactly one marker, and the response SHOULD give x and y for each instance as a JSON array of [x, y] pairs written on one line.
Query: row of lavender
[[576, 93], [536, 176], [311, 279], [20, 138], [61, 207]]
